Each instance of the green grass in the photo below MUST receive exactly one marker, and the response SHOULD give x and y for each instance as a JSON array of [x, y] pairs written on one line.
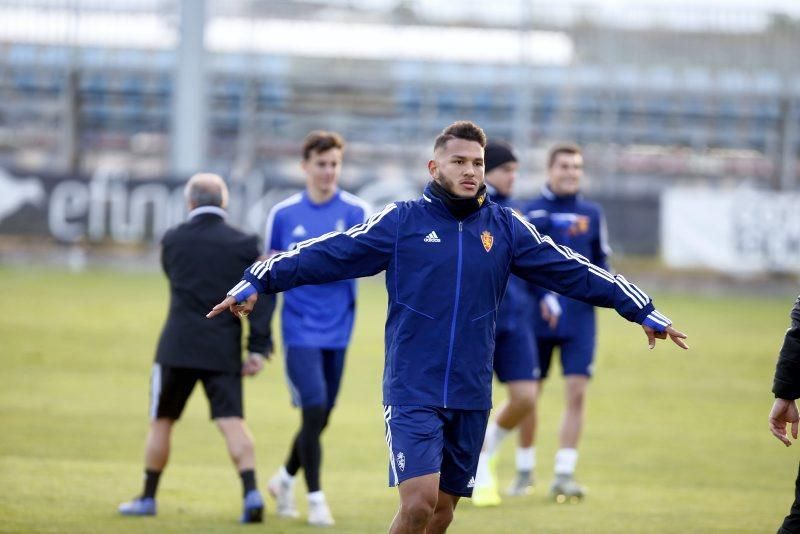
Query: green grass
[[675, 441]]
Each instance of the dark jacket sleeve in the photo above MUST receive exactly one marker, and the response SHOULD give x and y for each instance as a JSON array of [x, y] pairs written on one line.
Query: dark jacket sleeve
[[787, 373], [260, 319], [260, 339]]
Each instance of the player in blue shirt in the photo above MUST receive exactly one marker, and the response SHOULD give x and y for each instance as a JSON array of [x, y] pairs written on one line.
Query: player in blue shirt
[[516, 363], [447, 257], [316, 320], [561, 322]]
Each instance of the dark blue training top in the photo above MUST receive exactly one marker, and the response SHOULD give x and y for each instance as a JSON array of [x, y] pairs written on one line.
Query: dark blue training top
[[445, 279], [578, 224]]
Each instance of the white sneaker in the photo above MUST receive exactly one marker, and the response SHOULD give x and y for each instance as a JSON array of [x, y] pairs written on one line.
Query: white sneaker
[[282, 490], [319, 515]]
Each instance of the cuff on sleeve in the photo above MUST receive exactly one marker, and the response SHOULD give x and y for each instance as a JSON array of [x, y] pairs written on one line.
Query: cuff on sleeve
[[242, 291], [657, 321]]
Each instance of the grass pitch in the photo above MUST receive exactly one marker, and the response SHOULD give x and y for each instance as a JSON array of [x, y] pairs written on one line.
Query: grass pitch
[[675, 441]]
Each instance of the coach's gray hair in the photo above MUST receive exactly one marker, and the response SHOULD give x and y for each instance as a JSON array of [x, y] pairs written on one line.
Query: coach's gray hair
[[206, 189]]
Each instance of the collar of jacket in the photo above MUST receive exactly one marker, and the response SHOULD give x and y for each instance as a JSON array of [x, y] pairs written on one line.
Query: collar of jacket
[[549, 195], [458, 207], [208, 210]]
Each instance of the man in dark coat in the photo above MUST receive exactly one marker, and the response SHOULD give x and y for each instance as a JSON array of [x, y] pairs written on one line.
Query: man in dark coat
[[786, 388], [199, 257]]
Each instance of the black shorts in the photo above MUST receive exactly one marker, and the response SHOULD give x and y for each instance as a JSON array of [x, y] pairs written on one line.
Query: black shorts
[[170, 388]]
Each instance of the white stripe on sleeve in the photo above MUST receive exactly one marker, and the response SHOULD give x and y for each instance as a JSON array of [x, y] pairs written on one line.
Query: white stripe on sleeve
[[353, 232], [620, 281]]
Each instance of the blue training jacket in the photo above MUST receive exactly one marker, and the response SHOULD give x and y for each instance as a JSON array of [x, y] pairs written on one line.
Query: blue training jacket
[[445, 279], [579, 224]]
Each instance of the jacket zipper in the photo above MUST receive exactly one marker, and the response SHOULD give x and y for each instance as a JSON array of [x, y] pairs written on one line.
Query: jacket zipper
[[455, 314]]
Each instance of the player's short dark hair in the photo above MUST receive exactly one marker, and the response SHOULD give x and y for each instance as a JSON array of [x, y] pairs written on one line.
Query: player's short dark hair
[[321, 141], [460, 130], [562, 148]]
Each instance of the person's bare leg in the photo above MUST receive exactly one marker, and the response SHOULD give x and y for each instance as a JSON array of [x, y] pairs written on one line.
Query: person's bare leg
[[443, 513], [241, 449], [525, 459], [564, 485], [418, 500], [239, 441], [522, 396], [156, 449], [521, 401], [572, 420], [527, 425]]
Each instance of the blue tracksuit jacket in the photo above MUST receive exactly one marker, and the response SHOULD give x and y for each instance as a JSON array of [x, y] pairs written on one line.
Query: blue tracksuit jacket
[[576, 223], [445, 279]]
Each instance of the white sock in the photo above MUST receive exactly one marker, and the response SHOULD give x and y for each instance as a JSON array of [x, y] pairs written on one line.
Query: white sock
[[316, 497], [494, 436], [526, 458], [284, 475], [482, 477], [566, 460]]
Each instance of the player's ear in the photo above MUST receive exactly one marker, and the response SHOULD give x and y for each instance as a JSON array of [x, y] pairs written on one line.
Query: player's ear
[[432, 168]]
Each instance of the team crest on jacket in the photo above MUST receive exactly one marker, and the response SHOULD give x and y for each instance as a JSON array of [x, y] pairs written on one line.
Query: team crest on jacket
[[487, 240]]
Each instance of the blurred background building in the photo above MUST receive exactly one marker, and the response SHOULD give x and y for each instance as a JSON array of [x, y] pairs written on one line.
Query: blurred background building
[[106, 106]]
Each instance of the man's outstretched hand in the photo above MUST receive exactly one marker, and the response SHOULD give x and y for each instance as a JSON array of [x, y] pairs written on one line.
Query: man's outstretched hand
[[674, 335], [239, 310]]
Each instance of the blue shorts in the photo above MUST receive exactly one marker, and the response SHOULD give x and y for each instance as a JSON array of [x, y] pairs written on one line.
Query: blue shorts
[[425, 439], [515, 355], [314, 375], [577, 354]]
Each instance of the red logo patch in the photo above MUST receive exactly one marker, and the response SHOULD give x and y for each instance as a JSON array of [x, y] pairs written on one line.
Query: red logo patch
[[487, 240]]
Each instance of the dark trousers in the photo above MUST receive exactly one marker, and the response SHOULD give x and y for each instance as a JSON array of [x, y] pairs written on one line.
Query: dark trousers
[[791, 524]]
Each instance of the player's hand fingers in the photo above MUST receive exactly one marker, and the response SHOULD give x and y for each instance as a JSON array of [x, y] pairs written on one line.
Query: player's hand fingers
[[794, 429], [679, 341], [222, 306], [553, 322], [545, 313], [660, 335], [677, 337], [778, 430], [651, 338]]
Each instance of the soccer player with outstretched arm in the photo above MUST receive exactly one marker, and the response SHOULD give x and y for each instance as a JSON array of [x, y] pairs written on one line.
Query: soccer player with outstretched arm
[[447, 258]]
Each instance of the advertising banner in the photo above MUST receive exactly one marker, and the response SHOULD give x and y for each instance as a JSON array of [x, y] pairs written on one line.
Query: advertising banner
[[738, 232]]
